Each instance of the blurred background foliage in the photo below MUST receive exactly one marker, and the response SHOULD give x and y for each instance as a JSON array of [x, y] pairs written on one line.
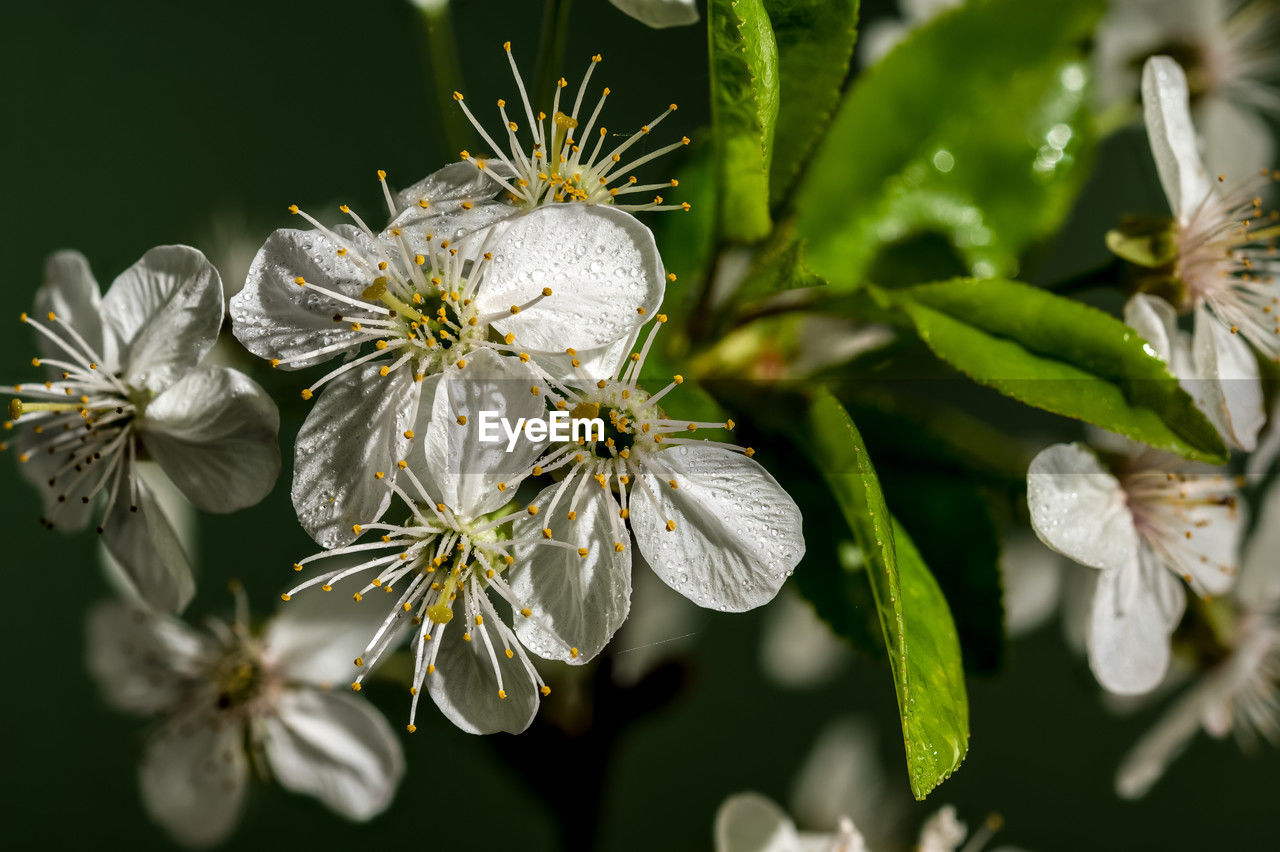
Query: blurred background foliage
[[136, 124]]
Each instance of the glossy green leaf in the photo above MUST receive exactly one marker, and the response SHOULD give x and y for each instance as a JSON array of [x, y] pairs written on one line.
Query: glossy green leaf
[[744, 112], [1059, 355], [919, 634], [974, 127], [815, 44]]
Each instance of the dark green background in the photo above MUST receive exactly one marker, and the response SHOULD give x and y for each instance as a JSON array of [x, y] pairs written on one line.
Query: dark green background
[[129, 125]]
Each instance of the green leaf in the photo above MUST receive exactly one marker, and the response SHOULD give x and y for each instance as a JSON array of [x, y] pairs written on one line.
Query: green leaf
[[744, 112], [974, 127], [1059, 355], [920, 636], [777, 267], [815, 44]]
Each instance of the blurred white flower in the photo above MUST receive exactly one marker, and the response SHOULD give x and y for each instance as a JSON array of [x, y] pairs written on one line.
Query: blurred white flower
[[1032, 577], [749, 822], [660, 13], [1228, 50], [1241, 692], [1222, 262], [797, 648], [883, 34], [402, 322], [126, 383], [710, 521], [564, 158], [1155, 520], [843, 777], [227, 699], [453, 550]]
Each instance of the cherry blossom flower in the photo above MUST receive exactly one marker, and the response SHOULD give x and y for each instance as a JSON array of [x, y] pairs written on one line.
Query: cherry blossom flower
[[1228, 50], [749, 822], [454, 553], [126, 384], [401, 321], [227, 699], [1146, 527], [567, 157], [708, 519], [1221, 264], [1240, 691]]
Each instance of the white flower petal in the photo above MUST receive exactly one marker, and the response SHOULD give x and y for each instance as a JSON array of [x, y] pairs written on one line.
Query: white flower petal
[[748, 822], [582, 600], [601, 264], [275, 318], [457, 182], [1032, 577], [1149, 759], [660, 14], [215, 433], [736, 537], [1157, 321], [139, 659], [942, 832], [355, 430], [460, 468], [165, 311], [842, 777], [1202, 542], [1259, 587], [1227, 385], [1236, 138], [336, 747], [1165, 106], [148, 551], [71, 292], [316, 636], [465, 689], [1134, 612], [1263, 458], [798, 650], [193, 776], [1079, 509], [878, 38]]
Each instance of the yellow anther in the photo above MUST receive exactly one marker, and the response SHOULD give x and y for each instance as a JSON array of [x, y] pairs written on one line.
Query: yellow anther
[[619, 547], [410, 727], [671, 525], [355, 687], [462, 420], [306, 393], [285, 597], [357, 597]]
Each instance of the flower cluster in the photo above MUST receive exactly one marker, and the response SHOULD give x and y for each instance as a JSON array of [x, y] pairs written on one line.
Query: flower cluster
[[515, 284]]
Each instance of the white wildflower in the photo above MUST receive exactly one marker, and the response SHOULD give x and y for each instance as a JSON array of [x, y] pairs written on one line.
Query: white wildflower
[[126, 384], [1151, 524], [227, 699]]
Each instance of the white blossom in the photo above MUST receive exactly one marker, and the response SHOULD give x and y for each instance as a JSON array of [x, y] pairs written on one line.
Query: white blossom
[[1239, 693], [452, 558], [660, 13], [750, 822], [1227, 48], [227, 699], [126, 384], [1153, 523], [1223, 263], [708, 519], [401, 321], [565, 156]]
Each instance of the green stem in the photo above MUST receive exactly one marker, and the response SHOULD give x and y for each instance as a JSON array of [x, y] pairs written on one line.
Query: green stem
[[551, 47], [439, 43]]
